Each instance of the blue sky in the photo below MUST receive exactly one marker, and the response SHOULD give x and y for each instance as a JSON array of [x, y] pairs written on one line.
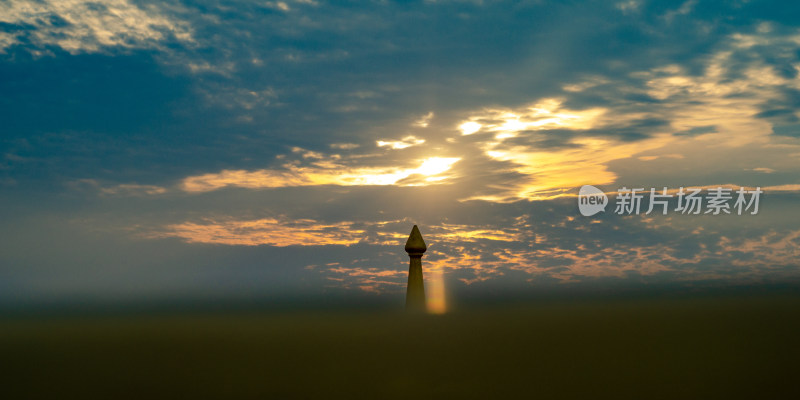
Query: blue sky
[[156, 151]]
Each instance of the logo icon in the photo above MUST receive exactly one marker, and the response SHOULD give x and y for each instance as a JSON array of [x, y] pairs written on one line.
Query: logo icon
[[591, 200]]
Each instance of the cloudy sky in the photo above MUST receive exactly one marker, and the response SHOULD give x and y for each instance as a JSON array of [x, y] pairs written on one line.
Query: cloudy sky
[[206, 150]]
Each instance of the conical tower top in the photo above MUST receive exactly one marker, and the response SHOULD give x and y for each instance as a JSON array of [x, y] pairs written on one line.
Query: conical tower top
[[415, 244]]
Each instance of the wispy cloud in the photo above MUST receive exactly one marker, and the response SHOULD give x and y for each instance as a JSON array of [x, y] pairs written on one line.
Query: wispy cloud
[[82, 26], [366, 279], [424, 121], [118, 190], [265, 231], [403, 143], [324, 172]]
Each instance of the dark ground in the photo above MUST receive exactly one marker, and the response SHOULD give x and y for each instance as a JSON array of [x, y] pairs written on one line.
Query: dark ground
[[733, 347]]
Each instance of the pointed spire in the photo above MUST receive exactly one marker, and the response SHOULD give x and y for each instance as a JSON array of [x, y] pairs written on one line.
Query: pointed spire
[[415, 243], [415, 292]]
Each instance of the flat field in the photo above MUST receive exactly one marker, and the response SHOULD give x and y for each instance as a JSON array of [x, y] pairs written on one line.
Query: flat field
[[733, 347]]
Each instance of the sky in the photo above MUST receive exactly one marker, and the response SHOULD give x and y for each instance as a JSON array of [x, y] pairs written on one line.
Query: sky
[[279, 150]]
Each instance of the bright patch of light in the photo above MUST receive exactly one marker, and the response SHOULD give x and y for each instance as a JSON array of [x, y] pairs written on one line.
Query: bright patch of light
[[407, 141], [435, 165], [470, 127], [374, 179], [505, 135], [513, 125]]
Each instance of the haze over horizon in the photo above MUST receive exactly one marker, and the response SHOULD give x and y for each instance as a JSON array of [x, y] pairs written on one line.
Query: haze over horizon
[[205, 150]]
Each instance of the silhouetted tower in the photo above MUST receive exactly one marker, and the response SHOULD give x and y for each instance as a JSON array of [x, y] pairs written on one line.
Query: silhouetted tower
[[415, 293]]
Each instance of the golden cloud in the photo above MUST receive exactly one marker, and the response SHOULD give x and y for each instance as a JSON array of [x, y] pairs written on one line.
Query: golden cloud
[[265, 231], [327, 172]]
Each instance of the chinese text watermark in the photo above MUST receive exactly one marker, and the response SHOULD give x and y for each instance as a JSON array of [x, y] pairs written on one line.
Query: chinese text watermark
[[719, 200]]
